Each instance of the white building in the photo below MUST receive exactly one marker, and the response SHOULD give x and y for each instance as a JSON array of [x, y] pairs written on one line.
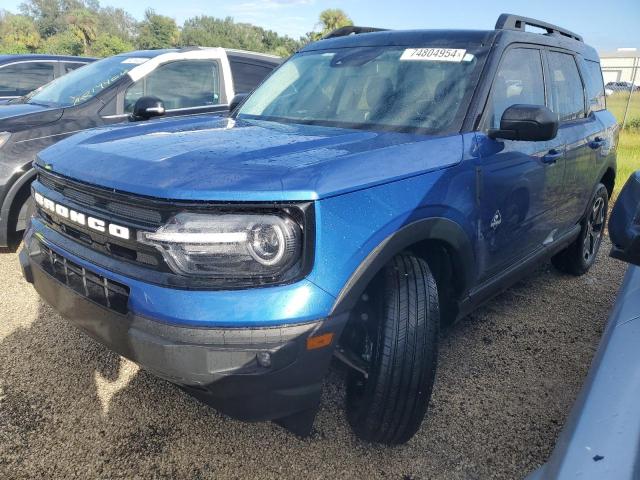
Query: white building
[[623, 65]]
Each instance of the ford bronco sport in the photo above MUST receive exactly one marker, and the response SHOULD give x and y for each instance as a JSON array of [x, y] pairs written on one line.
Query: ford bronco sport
[[375, 186]]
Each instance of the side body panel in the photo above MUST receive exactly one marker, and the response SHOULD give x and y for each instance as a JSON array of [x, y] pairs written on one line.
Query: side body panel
[[356, 224]]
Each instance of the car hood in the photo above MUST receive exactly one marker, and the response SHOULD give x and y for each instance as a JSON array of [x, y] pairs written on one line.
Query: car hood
[[18, 116], [213, 158]]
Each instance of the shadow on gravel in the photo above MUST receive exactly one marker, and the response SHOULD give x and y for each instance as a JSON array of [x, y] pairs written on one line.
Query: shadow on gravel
[[69, 408]]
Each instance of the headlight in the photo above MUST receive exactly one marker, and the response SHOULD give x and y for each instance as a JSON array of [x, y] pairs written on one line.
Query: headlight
[[229, 246], [4, 137]]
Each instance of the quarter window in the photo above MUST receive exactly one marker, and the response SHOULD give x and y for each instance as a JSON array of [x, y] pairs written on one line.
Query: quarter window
[[18, 79], [181, 84], [566, 87], [519, 80], [595, 86]]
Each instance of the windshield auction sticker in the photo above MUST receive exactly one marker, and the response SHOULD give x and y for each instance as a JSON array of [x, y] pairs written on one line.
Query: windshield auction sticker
[[135, 60], [434, 54]]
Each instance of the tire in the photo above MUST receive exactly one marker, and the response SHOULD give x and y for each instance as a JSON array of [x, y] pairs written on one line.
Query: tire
[[389, 406], [580, 256]]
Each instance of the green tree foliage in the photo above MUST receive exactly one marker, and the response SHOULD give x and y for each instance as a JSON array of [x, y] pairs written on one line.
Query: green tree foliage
[[18, 34], [50, 15], [117, 22], [67, 42], [84, 24], [157, 31], [215, 32], [84, 27]]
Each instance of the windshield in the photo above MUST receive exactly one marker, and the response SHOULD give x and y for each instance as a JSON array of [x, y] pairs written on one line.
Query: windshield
[[84, 83], [424, 90]]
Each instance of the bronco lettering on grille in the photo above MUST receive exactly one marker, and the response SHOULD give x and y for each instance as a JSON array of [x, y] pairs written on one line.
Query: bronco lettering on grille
[[80, 218]]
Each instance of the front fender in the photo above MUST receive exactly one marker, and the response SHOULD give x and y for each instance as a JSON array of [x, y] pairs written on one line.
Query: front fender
[[14, 186], [437, 228]]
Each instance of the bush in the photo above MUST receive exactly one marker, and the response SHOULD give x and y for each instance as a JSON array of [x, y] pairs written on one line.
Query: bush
[[64, 43], [633, 124], [106, 45]]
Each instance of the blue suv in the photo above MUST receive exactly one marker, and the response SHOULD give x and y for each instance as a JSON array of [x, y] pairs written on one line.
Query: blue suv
[[376, 186]]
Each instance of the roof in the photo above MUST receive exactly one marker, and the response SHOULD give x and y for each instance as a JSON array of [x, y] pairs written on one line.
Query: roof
[[147, 53], [627, 53], [243, 53], [415, 38], [451, 39], [265, 57], [38, 56]]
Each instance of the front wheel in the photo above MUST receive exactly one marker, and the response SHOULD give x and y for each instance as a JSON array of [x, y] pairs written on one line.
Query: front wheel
[[387, 402], [580, 256]]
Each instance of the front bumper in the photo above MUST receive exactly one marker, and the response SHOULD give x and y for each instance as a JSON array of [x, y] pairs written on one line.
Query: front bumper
[[217, 365]]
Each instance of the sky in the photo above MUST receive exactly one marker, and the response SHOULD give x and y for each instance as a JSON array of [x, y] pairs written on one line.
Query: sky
[[606, 25]]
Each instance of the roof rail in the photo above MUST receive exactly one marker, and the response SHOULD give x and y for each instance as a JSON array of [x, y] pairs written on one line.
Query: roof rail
[[351, 30], [508, 21]]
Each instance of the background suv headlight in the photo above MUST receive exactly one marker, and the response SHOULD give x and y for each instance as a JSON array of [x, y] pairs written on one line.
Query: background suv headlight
[[229, 245]]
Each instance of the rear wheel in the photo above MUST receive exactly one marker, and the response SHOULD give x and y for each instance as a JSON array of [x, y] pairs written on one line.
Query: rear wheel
[[395, 344], [578, 257]]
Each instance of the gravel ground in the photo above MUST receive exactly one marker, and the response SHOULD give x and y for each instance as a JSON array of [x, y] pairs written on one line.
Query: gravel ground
[[507, 378]]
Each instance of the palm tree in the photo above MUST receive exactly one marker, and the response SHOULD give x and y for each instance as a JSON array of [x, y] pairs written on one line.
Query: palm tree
[[84, 24], [330, 20]]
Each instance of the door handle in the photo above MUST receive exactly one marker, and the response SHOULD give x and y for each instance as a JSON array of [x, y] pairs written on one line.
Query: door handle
[[596, 143], [553, 156]]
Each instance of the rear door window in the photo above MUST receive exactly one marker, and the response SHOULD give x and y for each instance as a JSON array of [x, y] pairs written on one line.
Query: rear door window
[[18, 79], [567, 91], [180, 84], [519, 80]]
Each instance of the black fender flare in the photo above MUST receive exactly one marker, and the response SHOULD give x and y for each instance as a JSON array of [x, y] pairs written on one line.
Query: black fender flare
[[437, 228], [7, 203]]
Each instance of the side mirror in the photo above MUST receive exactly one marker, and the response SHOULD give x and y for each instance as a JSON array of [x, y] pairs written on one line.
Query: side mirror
[[624, 224], [533, 123], [147, 107], [237, 100]]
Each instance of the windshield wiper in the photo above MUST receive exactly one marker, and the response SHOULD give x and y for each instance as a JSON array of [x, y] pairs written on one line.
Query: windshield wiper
[[41, 104]]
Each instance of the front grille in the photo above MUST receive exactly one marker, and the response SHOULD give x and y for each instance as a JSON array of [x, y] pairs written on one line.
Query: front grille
[[100, 200], [108, 206], [101, 290]]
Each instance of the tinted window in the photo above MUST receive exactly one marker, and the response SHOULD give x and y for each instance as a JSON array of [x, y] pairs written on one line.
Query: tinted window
[[519, 80], [181, 84], [71, 66], [566, 87], [595, 86], [247, 76], [18, 79]]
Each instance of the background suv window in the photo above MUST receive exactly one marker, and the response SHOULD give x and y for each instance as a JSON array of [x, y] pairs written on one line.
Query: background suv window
[[519, 80], [71, 66], [566, 87], [18, 79], [247, 76], [182, 84]]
